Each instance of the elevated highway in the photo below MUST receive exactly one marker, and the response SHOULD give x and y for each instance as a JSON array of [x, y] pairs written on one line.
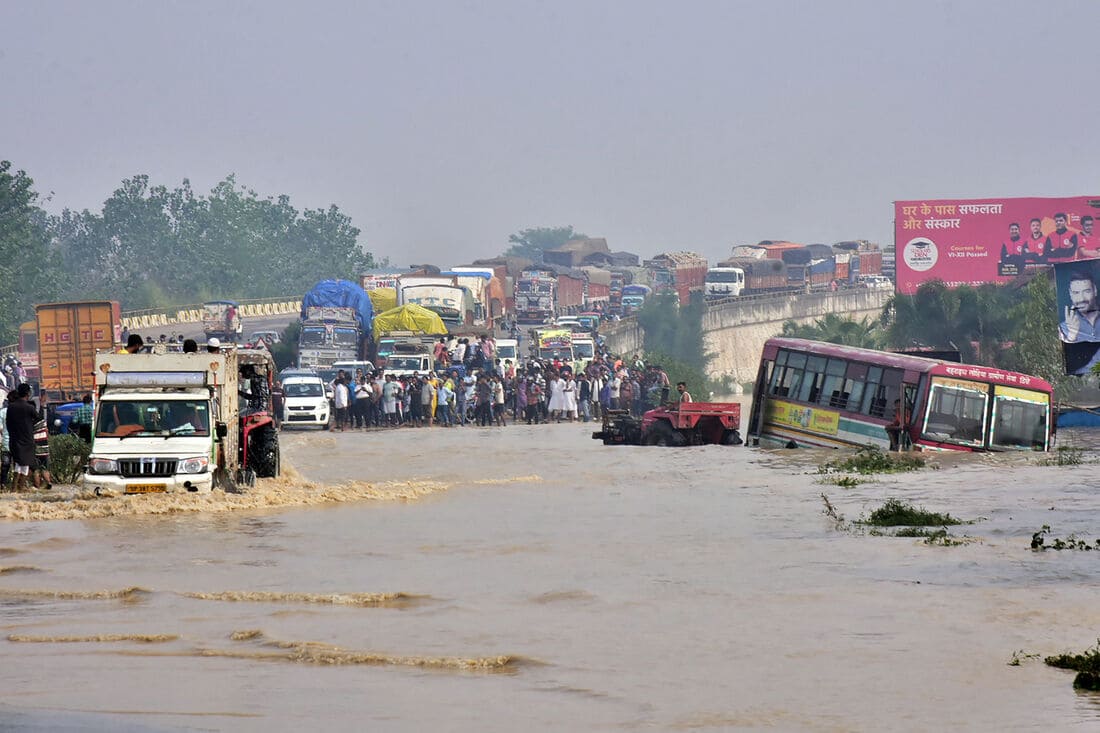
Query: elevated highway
[[735, 330]]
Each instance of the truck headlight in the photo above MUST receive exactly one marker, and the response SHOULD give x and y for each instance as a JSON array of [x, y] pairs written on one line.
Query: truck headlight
[[194, 465], [102, 465]]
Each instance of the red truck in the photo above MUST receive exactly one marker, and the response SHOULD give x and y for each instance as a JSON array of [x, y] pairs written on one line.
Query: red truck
[[684, 423], [682, 272]]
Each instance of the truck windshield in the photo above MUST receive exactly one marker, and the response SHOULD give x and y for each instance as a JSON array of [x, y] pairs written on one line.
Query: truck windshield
[[507, 351], [404, 362], [345, 337], [583, 349], [121, 418], [722, 277], [314, 336]]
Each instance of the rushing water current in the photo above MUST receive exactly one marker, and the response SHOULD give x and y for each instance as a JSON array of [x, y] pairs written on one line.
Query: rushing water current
[[532, 579]]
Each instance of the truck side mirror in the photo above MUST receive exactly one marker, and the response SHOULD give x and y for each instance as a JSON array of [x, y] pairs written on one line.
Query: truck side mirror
[[221, 430]]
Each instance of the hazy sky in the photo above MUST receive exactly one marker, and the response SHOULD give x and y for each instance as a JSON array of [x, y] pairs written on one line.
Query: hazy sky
[[443, 127]]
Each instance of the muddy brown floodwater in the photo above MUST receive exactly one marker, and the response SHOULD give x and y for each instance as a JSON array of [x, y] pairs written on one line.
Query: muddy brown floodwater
[[532, 579]]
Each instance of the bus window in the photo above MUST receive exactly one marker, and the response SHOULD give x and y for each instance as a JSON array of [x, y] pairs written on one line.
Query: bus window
[[811, 382], [956, 411], [832, 393], [1019, 418], [873, 393]]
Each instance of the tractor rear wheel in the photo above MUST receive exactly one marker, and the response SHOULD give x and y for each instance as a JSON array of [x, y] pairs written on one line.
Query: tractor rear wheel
[[263, 452]]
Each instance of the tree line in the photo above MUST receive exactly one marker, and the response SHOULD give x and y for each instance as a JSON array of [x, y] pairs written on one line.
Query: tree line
[[153, 247]]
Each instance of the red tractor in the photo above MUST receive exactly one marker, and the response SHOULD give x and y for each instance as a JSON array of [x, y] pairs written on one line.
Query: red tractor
[[684, 423]]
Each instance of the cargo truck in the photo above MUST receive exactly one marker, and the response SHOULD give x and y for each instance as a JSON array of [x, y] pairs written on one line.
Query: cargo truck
[[182, 422], [69, 335], [336, 321], [221, 319], [535, 296]]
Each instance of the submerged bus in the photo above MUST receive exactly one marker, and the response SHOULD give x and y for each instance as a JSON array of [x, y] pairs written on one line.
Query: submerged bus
[[810, 393]]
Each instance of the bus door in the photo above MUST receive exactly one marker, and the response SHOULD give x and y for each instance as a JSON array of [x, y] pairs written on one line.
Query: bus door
[[756, 413]]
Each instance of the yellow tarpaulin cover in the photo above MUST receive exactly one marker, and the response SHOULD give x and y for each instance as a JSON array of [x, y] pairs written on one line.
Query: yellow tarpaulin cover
[[383, 299], [411, 317]]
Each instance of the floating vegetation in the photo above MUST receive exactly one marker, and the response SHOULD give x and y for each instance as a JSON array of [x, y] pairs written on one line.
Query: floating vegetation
[[1020, 656], [1086, 664], [911, 522], [845, 482], [1039, 543], [1066, 455], [840, 524], [870, 459], [896, 513]]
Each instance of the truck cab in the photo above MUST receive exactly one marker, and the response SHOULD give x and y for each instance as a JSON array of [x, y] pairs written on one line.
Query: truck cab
[[408, 358]]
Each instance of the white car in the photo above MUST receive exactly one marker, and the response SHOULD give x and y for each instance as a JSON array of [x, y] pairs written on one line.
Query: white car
[[305, 402]]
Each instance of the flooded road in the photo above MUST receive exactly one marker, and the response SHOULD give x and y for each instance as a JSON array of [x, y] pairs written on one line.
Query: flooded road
[[530, 578]]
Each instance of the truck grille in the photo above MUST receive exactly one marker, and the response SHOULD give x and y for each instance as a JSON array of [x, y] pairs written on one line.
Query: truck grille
[[134, 467]]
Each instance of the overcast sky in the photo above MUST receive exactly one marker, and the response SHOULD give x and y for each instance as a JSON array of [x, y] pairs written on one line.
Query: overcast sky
[[443, 127]]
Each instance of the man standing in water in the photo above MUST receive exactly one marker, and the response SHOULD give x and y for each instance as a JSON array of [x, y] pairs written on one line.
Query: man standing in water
[[20, 427]]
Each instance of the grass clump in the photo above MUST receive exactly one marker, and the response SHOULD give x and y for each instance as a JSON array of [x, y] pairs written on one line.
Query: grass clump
[[1086, 664], [896, 513], [1066, 455], [870, 459]]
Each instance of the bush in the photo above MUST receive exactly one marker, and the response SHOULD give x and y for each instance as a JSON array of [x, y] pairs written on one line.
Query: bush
[[1086, 664], [68, 454], [870, 459], [896, 513]]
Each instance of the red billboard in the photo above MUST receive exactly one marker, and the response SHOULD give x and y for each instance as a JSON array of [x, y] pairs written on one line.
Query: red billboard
[[975, 241]]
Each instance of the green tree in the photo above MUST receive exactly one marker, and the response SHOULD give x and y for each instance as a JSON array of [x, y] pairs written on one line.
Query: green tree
[[1036, 348], [152, 246], [836, 329], [531, 243], [28, 273], [673, 338]]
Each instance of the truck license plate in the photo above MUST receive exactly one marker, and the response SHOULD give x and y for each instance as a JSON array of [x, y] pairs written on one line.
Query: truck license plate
[[146, 488]]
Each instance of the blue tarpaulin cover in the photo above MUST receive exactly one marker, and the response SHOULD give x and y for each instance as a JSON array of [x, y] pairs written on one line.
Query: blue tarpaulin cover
[[341, 294]]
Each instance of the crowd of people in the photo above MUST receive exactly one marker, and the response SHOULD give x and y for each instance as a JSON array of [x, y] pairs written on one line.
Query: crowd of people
[[488, 391]]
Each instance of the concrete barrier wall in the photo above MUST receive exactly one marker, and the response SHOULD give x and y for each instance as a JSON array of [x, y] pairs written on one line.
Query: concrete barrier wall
[[735, 331], [145, 321], [623, 337]]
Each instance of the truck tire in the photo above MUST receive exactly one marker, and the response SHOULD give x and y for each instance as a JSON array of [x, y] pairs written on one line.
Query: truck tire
[[263, 452]]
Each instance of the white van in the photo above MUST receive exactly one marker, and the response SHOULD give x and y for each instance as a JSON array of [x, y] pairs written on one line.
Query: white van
[[304, 401]]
